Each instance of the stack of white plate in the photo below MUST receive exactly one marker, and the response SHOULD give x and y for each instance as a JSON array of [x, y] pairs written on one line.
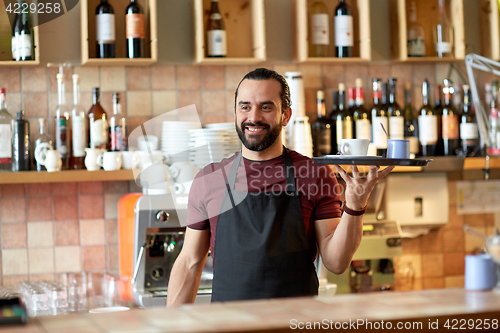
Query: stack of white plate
[[234, 143], [209, 145], [175, 139]]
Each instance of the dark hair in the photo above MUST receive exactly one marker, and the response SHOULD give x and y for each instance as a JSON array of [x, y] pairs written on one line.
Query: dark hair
[[268, 74]]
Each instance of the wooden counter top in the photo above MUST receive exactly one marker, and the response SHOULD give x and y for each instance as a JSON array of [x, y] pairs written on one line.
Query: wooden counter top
[[456, 306]]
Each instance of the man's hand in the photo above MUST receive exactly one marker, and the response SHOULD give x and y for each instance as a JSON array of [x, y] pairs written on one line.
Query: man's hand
[[358, 188]]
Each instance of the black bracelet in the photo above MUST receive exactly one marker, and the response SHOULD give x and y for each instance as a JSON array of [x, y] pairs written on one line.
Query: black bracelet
[[353, 212]]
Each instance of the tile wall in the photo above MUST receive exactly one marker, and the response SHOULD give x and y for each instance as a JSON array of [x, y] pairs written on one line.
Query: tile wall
[[51, 228]]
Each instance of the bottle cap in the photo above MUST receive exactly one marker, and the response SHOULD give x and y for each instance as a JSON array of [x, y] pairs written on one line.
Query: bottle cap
[[320, 94], [20, 114], [76, 77], [342, 86], [95, 90], [60, 77], [2, 90], [359, 83]]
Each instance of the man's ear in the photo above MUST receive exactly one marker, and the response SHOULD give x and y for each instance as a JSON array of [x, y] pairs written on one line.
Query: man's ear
[[287, 114]]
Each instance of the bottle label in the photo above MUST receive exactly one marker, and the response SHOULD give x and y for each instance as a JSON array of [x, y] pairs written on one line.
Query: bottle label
[[135, 26], [99, 133], [5, 143], [78, 135], [379, 137], [427, 129], [468, 131], [397, 128], [105, 28], [344, 33], [215, 16], [217, 43], [414, 148], [324, 142], [118, 138], [15, 54], [320, 32], [363, 129], [61, 135], [450, 127], [443, 47], [416, 47], [24, 45]]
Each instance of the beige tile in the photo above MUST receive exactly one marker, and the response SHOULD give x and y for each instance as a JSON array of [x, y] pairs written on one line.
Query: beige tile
[[213, 77], [356, 71], [89, 78], [432, 265], [67, 259], [188, 77], [234, 74], [91, 206], [113, 257], [41, 261], [34, 78], [35, 104], [139, 103], [214, 102], [113, 78], [164, 101], [311, 75], [14, 103], [230, 102], [282, 69], [67, 233], [42, 277], [92, 232], [14, 236], [190, 97], [94, 257], [138, 78], [111, 205], [163, 78], [333, 75], [13, 280], [40, 234], [40, 208], [454, 281], [13, 209], [210, 119], [112, 231], [68, 80], [11, 79], [14, 261]]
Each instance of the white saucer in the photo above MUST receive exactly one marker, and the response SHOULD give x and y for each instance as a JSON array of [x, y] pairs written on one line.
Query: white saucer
[[109, 309]]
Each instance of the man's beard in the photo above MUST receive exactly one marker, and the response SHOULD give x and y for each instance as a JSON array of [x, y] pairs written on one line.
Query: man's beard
[[255, 144]]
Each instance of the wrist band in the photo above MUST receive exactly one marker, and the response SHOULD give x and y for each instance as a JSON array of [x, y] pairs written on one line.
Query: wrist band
[[353, 212]]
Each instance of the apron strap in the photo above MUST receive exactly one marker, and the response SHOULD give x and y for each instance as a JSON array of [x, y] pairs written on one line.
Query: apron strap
[[290, 172]]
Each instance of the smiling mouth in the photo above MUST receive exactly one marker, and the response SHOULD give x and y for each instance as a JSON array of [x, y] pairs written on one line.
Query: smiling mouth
[[255, 129]]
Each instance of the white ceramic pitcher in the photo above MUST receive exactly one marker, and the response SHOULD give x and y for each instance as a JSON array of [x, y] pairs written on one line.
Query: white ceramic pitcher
[[51, 160]]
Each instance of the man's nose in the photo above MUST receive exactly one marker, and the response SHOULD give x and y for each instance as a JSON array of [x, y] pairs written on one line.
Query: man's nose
[[254, 115]]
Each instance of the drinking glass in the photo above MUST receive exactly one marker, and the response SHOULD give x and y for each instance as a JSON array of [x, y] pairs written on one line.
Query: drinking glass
[[77, 298], [493, 246]]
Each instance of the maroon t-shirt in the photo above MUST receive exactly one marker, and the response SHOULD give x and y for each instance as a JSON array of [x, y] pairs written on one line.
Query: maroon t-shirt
[[319, 191]]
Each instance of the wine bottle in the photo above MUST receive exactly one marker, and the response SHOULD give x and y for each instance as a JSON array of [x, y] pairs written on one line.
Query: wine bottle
[[469, 135], [21, 144], [344, 32], [384, 95], [449, 119], [42, 142], [62, 124], [319, 33], [105, 30], [427, 124], [118, 126], [23, 37], [135, 32], [379, 116], [361, 117], [97, 123], [396, 119], [410, 126], [343, 119], [438, 111], [415, 34], [321, 128], [443, 33], [216, 32], [79, 134], [5, 134], [333, 123]]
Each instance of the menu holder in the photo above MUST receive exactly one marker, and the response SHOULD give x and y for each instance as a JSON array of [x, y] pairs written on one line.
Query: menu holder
[[371, 160]]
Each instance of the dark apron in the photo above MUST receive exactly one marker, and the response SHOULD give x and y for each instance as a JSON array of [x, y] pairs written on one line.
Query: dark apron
[[261, 249]]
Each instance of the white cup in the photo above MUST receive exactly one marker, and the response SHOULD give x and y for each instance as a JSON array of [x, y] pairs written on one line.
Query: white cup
[[110, 160], [144, 159], [91, 158], [130, 160], [183, 171], [354, 147], [152, 142]]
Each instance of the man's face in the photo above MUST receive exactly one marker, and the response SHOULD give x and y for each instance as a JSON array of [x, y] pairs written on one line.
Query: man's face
[[259, 115]]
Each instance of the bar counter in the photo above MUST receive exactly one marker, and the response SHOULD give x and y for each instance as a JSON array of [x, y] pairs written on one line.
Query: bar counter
[[440, 310]]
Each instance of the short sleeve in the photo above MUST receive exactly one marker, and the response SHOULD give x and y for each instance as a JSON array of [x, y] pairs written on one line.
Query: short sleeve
[[197, 216], [327, 201]]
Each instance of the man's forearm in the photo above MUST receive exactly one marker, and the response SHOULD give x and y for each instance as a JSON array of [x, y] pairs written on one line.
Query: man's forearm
[[184, 282]]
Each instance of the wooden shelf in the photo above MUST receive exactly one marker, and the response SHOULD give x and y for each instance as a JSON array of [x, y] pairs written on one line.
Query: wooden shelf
[[480, 163], [6, 49], [88, 34], [64, 176], [427, 13], [361, 23], [245, 26], [490, 29]]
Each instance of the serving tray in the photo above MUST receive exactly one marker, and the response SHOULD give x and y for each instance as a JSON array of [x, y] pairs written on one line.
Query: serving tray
[[371, 160]]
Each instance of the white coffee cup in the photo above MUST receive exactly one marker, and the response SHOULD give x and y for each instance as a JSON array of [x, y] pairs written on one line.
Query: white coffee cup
[[130, 160], [110, 160], [152, 142], [183, 171], [144, 157], [91, 158], [354, 147]]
